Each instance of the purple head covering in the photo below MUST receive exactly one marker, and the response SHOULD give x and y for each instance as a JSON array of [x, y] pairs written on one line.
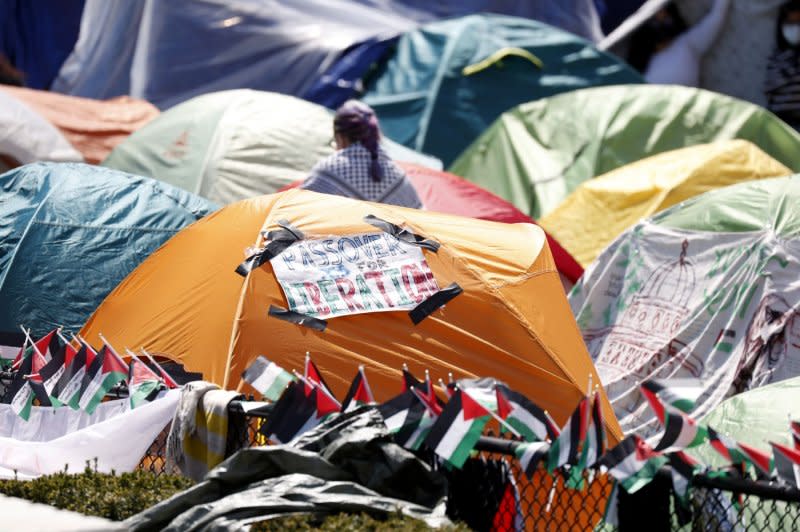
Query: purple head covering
[[357, 122]]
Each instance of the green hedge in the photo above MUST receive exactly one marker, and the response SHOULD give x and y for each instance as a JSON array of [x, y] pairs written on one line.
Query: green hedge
[[349, 522], [112, 496]]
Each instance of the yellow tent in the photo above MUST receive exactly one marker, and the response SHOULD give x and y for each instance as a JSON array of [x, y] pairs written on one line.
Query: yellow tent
[[601, 209], [512, 320]]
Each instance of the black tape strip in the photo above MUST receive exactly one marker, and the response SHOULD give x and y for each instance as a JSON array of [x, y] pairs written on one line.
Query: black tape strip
[[280, 239], [437, 300], [402, 234], [297, 318]]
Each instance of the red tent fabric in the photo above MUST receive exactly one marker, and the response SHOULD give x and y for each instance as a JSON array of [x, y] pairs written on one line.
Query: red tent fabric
[[448, 193]]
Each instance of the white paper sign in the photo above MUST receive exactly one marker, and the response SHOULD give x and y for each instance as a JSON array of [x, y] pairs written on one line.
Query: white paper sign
[[354, 274]]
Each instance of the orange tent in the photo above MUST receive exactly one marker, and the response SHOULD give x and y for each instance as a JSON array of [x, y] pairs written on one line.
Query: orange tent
[[512, 320], [93, 127]]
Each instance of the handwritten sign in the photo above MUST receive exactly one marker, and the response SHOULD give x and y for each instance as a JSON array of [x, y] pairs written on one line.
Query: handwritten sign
[[343, 275]]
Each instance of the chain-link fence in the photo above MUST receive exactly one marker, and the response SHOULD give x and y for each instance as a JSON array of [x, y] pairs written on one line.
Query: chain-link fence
[[492, 493]]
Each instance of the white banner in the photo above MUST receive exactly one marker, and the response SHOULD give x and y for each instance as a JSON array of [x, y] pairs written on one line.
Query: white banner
[[342, 275], [718, 308], [53, 439]]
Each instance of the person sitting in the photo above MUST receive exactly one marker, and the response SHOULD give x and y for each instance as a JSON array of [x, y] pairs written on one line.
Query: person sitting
[[360, 168], [668, 53], [782, 83]]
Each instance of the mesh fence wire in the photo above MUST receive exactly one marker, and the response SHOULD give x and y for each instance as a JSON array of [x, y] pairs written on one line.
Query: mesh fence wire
[[492, 493]]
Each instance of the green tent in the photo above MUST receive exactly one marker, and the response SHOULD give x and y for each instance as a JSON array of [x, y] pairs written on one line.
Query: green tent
[[707, 291], [449, 80], [69, 233], [539, 152], [231, 145]]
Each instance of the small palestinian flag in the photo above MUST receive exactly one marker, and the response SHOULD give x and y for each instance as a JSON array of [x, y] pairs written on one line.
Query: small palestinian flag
[[787, 464], [727, 447], [402, 415], [143, 382], [611, 513], [683, 469], [759, 459], [409, 380], [794, 428], [46, 346], [267, 377], [530, 421], [165, 377], [680, 394], [106, 371], [564, 449], [52, 372], [24, 388], [458, 428], [359, 392], [314, 377], [293, 414], [596, 440], [633, 463], [68, 388], [530, 454], [680, 431]]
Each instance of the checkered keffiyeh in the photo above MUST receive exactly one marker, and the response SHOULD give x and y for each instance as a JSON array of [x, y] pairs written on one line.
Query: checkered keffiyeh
[[347, 173]]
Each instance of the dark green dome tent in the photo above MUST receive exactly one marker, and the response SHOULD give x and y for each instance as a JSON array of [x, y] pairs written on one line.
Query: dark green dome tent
[[447, 81], [539, 152], [69, 233]]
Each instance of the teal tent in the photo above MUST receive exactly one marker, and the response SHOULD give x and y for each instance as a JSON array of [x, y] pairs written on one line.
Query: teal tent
[[539, 152], [69, 233], [449, 80]]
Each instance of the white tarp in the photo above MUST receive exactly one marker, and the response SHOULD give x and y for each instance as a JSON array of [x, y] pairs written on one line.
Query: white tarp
[[665, 303], [53, 439], [354, 274]]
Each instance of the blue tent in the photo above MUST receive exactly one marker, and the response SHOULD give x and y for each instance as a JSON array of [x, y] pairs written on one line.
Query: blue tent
[[448, 81], [37, 36], [69, 233], [168, 52]]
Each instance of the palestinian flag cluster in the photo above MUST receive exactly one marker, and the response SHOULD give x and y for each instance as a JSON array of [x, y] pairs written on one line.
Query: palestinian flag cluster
[[419, 418], [55, 372]]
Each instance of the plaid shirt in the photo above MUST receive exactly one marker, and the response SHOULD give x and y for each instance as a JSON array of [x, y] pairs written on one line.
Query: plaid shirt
[[347, 173]]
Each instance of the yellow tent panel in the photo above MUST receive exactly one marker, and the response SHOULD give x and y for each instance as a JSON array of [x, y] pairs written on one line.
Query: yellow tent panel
[[601, 209], [512, 320]]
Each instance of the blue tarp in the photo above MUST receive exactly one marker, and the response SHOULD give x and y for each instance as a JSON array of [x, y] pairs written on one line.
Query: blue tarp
[[69, 233], [38, 35], [168, 52]]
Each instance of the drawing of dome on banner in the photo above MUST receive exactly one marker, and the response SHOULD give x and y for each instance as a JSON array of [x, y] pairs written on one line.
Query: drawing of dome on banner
[[705, 291]]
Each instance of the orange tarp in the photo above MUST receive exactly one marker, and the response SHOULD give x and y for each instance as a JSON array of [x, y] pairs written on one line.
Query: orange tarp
[[93, 127], [512, 321]]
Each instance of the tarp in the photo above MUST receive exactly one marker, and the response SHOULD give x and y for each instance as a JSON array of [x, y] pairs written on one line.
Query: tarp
[[27, 137], [600, 209], [93, 127], [575, 16], [347, 464], [539, 152], [705, 290], [736, 64], [231, 145], [133, 47], [426, 101], [70, 232], [511, 321], [38, 35], [53, 440]]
